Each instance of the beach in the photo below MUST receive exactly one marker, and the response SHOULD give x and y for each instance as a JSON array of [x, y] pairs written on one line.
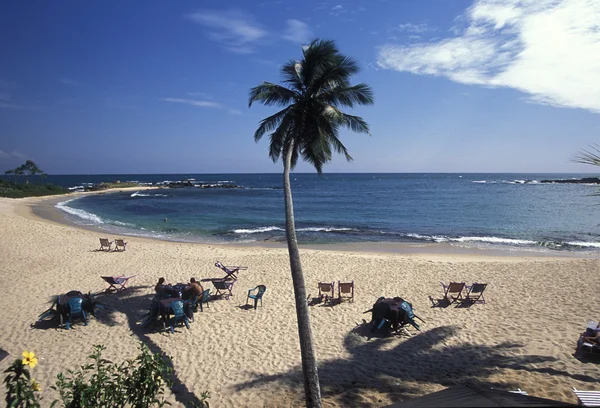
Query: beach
[[524, 336]]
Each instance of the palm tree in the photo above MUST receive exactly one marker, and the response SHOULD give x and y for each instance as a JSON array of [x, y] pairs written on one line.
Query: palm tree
[[589, 157], [308, 127], [9, 172]]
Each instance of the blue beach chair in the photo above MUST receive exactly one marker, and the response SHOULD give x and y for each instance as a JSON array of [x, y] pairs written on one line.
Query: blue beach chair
[[75, 308], [256, 294], [178, 309]]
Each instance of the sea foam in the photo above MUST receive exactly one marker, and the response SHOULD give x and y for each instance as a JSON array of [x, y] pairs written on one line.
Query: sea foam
[[79, 213]]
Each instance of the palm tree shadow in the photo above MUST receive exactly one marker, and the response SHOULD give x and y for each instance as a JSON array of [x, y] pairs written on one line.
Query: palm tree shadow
[[103, 313], [134, 303], [3, 354], [400, 372]]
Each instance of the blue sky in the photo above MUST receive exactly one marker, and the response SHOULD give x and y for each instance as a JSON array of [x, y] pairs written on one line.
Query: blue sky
[[161, 87]]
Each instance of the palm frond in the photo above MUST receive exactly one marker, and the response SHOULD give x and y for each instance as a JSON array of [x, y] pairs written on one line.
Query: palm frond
[[339, 147], [335, 74], [272, 94], [589, 157], [281, 134], [356, 123], [292, 75], [318, 57], [270, 123], [360, 94]]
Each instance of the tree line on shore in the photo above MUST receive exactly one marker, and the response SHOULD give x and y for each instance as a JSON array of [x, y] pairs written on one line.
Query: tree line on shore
[[16, 189]]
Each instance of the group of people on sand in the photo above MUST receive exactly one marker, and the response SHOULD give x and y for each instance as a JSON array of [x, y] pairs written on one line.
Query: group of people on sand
[[191, 290]]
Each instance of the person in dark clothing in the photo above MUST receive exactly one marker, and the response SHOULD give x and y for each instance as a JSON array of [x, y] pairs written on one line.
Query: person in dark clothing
[[160, 285]]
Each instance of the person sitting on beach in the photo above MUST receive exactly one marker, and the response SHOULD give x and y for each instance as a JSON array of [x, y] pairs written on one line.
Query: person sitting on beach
[[159, 288], [193, 289], [592, 337]]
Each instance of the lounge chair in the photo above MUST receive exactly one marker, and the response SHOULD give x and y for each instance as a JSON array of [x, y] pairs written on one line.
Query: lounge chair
[[223, 288], [453, 291], [475, 293], [326, 291], [587, 398], [519, 391], [117, 282], [230, 270], [346, 291], [119, 243], [256, 294], [105, 244]]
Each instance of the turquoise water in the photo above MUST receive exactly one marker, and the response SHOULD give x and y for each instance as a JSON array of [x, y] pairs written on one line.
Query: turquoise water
[[486, 210]]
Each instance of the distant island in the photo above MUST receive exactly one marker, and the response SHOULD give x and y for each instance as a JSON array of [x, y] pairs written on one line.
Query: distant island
[[190, 183]]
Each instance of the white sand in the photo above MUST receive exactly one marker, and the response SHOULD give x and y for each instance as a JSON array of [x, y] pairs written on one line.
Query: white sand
[[524, 337]]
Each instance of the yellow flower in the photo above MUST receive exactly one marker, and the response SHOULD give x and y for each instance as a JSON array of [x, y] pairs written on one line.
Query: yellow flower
[[35, 385], [29, 359]]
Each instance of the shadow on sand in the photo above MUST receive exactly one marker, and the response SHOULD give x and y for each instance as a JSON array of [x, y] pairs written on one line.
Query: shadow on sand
[[397, 367], [134, 303]]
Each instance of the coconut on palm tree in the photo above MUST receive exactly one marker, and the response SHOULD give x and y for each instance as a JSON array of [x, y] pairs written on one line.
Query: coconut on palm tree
[[312, 93]]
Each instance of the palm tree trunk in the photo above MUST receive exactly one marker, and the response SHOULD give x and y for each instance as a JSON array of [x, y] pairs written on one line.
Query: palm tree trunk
[[312, 390]]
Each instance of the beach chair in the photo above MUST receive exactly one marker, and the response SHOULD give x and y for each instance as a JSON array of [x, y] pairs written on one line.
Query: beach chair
[[119, 243], [587, 398], [346, 291], [178, 309], [475, 293], [105, 244], [75, 308], [326, 291], [256, 294], [204, 298], [230, 270], [116, 282], [223, 288], [519, 391], [453, 291]]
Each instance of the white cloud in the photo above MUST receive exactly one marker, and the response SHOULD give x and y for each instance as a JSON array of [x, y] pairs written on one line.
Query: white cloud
[[4, 155], [235, 30], [297, 31], [413, 28], [203, 104], [19, 155], [338, 10], [194, 102], [548, 49]]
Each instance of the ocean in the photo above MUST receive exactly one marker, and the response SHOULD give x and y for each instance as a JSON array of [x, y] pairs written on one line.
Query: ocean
[[501, 211]]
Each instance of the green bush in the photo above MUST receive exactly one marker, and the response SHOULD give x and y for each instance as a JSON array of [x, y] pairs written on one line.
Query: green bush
[[138, 382], [20, 387], [17, 190]]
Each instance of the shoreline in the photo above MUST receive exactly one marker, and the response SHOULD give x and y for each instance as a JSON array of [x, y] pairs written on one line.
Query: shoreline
[[44, 208], [254, 355]]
